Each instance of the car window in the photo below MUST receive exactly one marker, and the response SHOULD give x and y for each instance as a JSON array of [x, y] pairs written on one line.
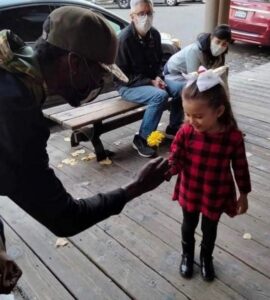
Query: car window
[[116, 25], [26, 22]]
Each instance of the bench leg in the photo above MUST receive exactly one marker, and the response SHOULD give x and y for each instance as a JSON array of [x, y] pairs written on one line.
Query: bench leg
[[101, 153], [91, 134], [81, 135]]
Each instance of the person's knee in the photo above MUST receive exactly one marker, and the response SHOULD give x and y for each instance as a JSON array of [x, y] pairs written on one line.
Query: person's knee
[[160, 97]]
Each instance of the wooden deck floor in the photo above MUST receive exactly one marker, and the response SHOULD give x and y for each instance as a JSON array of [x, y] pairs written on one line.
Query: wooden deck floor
[[136, 255]]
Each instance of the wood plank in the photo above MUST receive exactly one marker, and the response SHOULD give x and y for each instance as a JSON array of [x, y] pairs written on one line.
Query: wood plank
[[253, 122], [84, 280], [246, 113], [257, 151], [259, 209], [249, 99], [257, 89], [262, 142], [259, 163], [252, 107], [164, 259], [65, 107], [90, 108], [99, 115], [260, 177], [229, 270], [131, 273], [37, 282]]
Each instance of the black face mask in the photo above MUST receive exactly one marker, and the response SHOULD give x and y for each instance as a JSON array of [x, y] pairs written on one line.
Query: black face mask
[[77, 96]]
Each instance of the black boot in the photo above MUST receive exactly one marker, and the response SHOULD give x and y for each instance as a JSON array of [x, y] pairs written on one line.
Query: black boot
[[207, 267], [186, 265]]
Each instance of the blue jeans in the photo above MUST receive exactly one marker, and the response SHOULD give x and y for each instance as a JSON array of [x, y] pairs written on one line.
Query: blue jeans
[[155, 99]]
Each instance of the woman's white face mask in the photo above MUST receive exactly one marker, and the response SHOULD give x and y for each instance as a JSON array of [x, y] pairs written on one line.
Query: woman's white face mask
[[143, 23], [218, 46]]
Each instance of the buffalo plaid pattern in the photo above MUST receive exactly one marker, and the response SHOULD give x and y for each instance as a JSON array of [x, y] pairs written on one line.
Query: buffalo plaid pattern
[[204, 164]]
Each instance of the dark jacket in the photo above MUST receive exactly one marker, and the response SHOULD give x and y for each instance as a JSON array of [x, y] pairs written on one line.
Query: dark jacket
[[2, 236], [25, 175], [139, 58]]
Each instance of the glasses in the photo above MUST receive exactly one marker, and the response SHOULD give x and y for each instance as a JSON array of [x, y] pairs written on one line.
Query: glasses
[[143, 14]]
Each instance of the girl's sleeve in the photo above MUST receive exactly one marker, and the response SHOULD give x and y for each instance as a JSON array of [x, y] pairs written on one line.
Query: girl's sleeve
[[240, 168], [177, 153]]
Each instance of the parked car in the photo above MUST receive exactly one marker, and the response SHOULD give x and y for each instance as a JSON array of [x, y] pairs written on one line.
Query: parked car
[[250, 21], [25, 18], [126, 3]]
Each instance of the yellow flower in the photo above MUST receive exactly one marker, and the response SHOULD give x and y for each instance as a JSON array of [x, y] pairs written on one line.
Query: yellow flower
[[155, 138]]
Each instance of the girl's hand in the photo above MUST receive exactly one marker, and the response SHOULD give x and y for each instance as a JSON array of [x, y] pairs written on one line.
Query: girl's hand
[[148, 178], [167, 176], [242, 204]]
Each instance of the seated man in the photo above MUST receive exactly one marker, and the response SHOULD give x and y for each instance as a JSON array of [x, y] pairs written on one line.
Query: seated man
[[139, 56]]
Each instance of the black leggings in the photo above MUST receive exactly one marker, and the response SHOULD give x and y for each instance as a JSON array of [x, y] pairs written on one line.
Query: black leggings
[[209, 228]]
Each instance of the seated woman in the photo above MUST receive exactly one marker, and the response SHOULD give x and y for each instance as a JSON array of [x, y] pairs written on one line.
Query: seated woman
[[209, 51]]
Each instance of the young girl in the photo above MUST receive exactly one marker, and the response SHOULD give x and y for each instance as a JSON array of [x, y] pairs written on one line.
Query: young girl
[[202, 154]]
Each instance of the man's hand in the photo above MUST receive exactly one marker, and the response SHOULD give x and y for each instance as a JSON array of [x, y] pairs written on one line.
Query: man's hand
[[159, 83], [242, 204], [9, 273], [148, 178]]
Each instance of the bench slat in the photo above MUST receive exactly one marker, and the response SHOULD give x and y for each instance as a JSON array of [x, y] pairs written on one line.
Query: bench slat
[[108, 111], [85, 109], [48, 112]]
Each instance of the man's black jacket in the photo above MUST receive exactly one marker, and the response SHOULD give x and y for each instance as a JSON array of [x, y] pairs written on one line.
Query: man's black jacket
[[25, 175], [2, 236], [139, 58]]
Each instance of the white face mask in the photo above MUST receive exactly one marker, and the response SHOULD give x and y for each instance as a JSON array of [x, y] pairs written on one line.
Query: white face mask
[[144, 23], [217, 50]]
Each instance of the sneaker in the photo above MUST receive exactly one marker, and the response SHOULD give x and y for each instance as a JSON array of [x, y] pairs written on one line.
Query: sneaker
[[141, 146], [170, 132]]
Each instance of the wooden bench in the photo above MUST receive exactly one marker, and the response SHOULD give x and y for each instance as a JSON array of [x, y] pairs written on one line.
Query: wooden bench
[[90, 121]]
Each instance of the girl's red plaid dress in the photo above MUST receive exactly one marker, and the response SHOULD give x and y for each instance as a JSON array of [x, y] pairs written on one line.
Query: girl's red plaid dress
[[204, 164]]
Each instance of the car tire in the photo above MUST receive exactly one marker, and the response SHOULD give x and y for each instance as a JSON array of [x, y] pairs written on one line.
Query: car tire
[[171, 2], [124, 4]]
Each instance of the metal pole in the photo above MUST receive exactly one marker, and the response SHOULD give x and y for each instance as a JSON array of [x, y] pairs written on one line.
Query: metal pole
[[223, 12], [211, 15]]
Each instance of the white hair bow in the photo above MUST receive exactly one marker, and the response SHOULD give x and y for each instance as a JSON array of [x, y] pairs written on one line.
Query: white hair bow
[[206, 79]]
